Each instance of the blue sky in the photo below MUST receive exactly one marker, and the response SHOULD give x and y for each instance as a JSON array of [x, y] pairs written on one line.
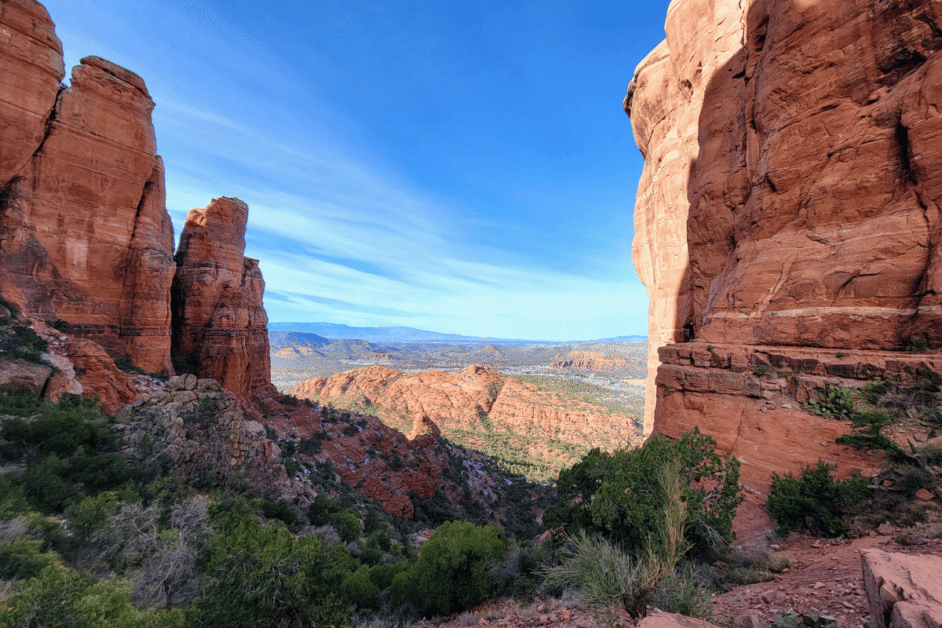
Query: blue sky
[[459, 166]]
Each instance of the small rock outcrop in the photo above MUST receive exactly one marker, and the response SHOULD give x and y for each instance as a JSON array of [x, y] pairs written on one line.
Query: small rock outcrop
[[197, 430], [904, 590], [790, 197], [219, 322], [22, 377], [673, 620]]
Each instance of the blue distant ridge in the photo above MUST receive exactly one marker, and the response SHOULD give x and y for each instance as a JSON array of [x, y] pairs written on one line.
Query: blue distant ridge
[[337, 331]]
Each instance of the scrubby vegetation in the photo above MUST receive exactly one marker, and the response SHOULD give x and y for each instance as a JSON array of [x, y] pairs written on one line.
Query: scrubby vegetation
[[627, 520], [18, 341], [818, 503], [87, 539], [618, 495], [814, 502]]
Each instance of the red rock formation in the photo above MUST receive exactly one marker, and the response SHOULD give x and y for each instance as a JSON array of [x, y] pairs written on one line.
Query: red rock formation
[[98, 376], [788, 208], [749, 399], [31, 58], [791, 191], [423, 425], [904, 591], [219, 323], [384, 464], [457, 401], [85, 235]]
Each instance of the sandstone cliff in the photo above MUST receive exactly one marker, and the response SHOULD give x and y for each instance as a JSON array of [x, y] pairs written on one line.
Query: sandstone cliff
[[85, 235], [589, 361], [789, 199]]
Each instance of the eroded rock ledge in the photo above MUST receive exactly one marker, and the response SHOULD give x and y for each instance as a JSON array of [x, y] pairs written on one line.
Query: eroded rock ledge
[[750, 400]]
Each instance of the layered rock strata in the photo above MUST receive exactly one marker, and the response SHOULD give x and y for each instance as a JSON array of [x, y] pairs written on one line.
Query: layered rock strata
[[750, 400], [590, 361], [220, 326], [85, 237], [791, 189]]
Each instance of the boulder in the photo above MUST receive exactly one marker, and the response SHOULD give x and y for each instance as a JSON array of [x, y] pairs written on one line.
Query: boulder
[[904, 590], [98, 375], [23, 377], [673, 620]]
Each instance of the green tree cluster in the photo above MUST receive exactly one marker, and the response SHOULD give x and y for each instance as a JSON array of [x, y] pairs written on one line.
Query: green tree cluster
[[619, 496]]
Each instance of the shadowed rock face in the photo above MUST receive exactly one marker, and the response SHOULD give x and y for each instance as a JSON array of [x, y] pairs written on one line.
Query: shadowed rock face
[[790, 194], [84, 234], [220, 327]]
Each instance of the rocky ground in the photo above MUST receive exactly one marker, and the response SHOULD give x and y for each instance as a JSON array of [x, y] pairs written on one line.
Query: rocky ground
[[824, 577]]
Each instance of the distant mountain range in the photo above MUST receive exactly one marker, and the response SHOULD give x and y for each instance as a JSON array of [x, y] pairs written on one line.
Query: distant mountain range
[[410, 334]]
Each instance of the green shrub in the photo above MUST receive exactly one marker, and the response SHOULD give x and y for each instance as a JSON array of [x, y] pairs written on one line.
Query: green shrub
[[874, 391], [20, 404], [836, 402], [20, 342], [60, 597], [814, 502], [452, 571], [619, 496], [359, 590], [917, 344], [263, 576], [281, 509], [22, 558], [383, 575], [347, 524], [292, 467]]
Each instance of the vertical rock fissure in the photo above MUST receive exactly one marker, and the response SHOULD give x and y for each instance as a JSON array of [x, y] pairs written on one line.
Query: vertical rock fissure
[[901, 135], [50, 121]]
